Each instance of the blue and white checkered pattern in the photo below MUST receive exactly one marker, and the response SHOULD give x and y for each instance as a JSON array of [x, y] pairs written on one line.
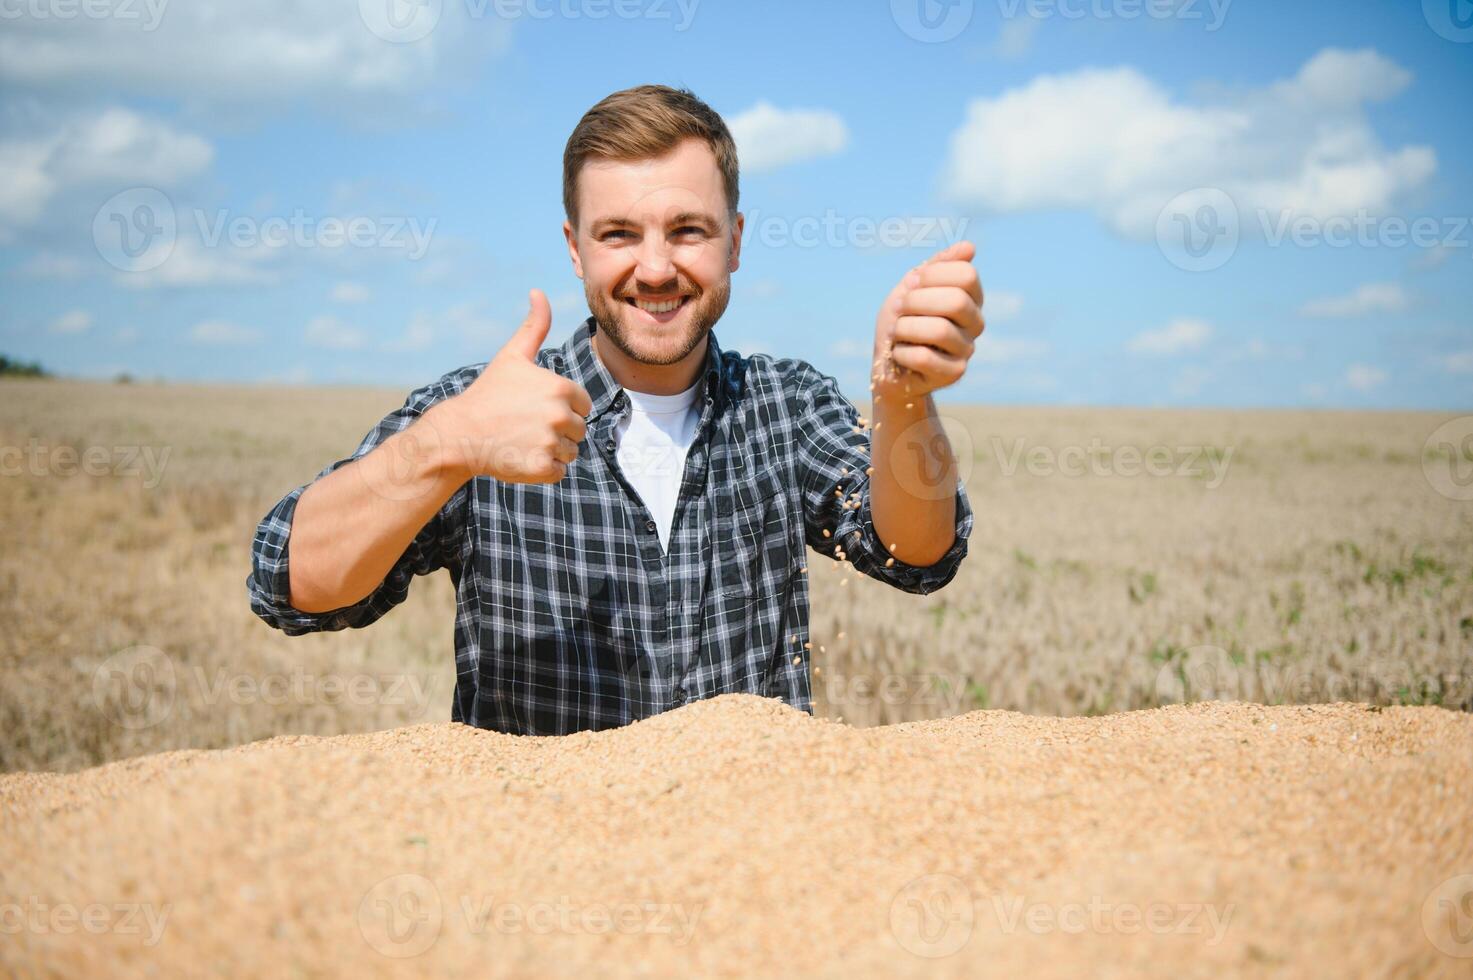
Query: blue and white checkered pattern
[[569, 616]]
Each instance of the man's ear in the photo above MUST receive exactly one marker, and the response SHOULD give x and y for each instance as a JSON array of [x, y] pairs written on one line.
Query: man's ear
[[736, 243], [572, 238]]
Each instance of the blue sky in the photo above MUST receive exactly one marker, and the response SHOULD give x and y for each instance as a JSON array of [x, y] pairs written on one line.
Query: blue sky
[[1174, 202]]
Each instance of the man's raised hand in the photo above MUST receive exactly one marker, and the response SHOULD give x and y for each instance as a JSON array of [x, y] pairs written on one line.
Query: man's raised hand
[[928, 326], [518, 422]]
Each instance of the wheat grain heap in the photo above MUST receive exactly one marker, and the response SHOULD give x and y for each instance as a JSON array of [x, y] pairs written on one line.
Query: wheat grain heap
[[737, 836]]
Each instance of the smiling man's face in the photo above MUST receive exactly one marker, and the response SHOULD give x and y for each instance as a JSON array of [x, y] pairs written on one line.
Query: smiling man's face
[[655, 249]]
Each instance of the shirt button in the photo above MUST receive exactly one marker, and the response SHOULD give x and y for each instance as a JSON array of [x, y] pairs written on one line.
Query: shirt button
[[680, 695], [651, 526], [610, 445]]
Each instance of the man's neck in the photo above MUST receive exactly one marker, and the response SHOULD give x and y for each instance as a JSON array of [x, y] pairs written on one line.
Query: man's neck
[[651, 379]]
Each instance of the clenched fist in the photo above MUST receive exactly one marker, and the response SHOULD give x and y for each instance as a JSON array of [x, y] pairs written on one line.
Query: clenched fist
[[517, 422], [928, 326]]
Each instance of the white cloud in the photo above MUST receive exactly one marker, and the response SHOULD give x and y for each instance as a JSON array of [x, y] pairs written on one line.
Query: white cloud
[[220, 333], [192, 263], [1364, 377], [1375, 297], [75, 321], [51, 265], [1115, 143], [1174, 338], [350, 292], [125, 336], [768, 137], [114, 148], [1458, 362], [221, 52], [1000, 305], [418, 335], [333, 334]]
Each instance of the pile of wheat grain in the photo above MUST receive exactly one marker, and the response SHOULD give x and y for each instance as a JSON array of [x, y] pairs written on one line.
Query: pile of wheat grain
[[738, 837]]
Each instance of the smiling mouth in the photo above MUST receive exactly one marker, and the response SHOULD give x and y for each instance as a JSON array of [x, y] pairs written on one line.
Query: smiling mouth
[[660, 307]]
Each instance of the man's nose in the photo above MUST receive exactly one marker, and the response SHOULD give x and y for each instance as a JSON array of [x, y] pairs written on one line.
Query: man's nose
[[655, 268]]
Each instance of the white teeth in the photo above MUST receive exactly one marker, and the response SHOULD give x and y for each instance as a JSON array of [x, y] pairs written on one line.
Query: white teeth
[[658, 307]]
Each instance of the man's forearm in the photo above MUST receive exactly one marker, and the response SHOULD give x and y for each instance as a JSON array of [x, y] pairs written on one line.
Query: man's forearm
[[913, 487], [352, 525]]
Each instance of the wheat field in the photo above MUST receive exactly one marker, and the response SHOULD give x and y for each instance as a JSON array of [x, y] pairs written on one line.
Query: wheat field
[[1121, 559]]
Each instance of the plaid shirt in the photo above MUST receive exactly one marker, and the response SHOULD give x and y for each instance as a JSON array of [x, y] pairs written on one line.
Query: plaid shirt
[[570, 616]]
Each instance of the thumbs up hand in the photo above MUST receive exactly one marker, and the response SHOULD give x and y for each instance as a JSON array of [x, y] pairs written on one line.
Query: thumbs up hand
[[518, 422], [928, 326]]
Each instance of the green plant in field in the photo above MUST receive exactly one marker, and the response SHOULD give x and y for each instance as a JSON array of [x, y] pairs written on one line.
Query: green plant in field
[[1141, 586], [1396, 577]]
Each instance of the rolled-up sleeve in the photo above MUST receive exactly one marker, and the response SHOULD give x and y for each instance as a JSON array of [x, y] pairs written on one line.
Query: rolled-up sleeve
[[439, 544], [832, 468]]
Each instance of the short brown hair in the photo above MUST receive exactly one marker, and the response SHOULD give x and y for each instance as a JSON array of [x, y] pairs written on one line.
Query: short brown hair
[[641, 123]]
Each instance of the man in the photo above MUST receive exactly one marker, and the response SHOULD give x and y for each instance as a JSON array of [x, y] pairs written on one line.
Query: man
[[624, 517]]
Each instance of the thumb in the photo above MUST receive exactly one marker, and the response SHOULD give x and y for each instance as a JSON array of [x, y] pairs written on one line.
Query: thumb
[[956, 251], [528, 338]]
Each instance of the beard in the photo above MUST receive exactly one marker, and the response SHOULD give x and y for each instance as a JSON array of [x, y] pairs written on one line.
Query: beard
[[639, 342]]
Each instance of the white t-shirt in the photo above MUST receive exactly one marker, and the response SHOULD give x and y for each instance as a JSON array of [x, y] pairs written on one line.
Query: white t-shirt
[[653, 441]]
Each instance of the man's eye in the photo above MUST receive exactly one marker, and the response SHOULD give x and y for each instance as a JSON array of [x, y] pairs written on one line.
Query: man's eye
[[690, 230], [610, 234]]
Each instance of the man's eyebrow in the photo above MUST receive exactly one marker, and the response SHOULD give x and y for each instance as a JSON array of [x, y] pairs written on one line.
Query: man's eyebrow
[[683, 218]]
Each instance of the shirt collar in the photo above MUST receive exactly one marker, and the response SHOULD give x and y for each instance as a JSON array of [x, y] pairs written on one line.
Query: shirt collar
[[582, 365]]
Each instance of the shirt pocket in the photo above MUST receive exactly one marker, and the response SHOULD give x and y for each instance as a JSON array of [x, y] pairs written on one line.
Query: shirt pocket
[[751, 534]]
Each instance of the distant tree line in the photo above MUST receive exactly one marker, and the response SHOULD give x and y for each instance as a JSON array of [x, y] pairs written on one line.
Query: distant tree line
[[12, 368]]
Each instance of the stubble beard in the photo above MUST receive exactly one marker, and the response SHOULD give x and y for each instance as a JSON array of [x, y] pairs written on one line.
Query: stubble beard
[[634, 341]]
